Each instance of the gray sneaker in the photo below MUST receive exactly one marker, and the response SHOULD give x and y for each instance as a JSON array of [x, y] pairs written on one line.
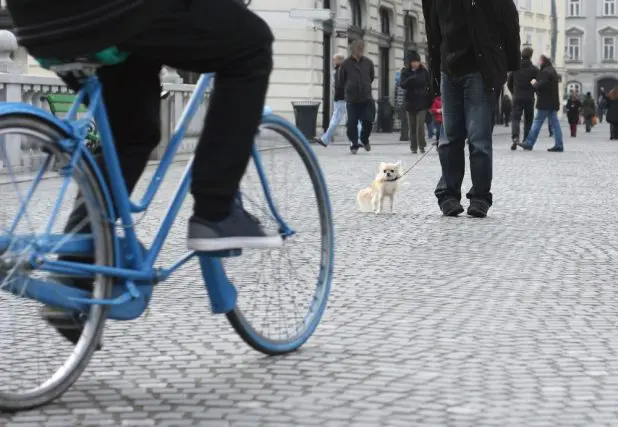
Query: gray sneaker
[[240, 230]]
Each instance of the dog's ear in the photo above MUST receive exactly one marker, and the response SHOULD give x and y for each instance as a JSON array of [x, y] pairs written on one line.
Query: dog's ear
[[382, 166], [398, 164]]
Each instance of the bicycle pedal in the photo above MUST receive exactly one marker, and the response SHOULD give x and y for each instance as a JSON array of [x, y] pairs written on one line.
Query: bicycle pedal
[[223, 254]]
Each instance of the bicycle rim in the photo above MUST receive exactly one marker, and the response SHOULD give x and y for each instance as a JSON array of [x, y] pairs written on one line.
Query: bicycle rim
[[36, 383], [282, 293]]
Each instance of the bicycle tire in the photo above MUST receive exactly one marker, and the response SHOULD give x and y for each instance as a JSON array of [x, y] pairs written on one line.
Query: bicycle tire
[[237, 319], [102, 231]]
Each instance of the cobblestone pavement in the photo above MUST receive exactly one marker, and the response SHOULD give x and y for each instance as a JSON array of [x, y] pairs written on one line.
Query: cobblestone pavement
[[510, 320]]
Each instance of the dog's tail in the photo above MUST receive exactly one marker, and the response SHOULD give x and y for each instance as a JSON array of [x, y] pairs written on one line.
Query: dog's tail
[[363, 200]]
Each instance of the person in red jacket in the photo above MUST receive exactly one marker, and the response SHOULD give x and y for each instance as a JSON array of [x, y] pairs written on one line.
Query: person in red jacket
[[436, 110]]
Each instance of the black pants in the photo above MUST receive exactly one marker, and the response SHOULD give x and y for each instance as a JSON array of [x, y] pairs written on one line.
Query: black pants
[[525, 106], [506, 117], [588, 123], [193, 36], [363, 112], [613, 131]]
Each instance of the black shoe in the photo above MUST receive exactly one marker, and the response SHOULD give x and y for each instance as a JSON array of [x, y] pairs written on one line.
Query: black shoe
[[514, 144], [555, 150], [478, 208], [525, 146], [413, 151], [353, 149], [367, 146], [422, 150], [451, 207]]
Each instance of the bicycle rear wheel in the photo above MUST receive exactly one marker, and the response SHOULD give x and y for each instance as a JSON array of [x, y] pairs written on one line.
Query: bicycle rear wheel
[[38, 365], [282, 293]]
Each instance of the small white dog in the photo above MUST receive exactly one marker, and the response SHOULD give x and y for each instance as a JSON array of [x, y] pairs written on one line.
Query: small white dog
[[385, 185]]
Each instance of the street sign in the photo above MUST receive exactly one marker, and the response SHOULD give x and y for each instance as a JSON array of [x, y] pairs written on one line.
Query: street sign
[[312, 14]]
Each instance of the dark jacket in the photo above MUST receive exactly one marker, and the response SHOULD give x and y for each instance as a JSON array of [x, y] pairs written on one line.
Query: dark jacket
[[589, 108], [355, 78], [546, 87], [339, 94], [58, 31], [507, 105], [573, 108], [493, 27], [416, 85], [612, 111], [519, 81]]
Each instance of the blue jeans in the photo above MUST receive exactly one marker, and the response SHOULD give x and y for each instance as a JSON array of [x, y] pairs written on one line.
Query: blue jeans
[[537, 124], [335, 121], [467, 113]]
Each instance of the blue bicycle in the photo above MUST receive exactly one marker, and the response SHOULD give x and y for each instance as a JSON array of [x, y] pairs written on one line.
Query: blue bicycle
[[272, 313]]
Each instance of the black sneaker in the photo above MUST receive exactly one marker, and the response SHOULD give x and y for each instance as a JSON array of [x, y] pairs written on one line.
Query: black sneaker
[[514, 144], [525, 146], [239, 230], [451, 207], [413, 150], [353, 149], [478, 208], [555, 150], [367, 146], [422, 150]]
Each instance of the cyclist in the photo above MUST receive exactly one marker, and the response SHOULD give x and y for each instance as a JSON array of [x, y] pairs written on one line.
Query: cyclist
[[220, 36]]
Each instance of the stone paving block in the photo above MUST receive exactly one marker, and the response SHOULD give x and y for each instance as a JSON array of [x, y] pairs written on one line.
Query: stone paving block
[[432, 321]]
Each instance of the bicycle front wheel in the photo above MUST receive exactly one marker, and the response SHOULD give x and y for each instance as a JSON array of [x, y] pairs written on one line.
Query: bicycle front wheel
[[39, 191], [282, 293]]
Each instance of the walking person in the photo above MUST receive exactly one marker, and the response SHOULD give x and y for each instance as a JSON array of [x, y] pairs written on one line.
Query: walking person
[[547, 106], [573, 109], [523, 95], [612, 113], [602, 104], [507, 110], [338, 105], [474, 44], [588, 111], [356, 76], [415, 79]]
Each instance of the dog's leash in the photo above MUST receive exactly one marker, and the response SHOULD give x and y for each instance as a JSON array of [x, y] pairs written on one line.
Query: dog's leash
[[415, 163]]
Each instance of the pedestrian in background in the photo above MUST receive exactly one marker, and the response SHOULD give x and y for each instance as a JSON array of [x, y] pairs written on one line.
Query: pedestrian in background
[[573, 110], [338, 106], [612, 113], [588, 111], [507, 106], [602, 104], [436, 111], [474, 45], [415, 80], [547, 106], [523, 95], [430, 124], [356, 76]]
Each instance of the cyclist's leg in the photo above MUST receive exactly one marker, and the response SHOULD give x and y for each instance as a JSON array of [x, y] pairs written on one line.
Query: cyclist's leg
[[197, 37], [131, 92]]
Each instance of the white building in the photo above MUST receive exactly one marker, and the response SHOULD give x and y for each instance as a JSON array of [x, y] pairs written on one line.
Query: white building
[[303, 48], [591, 45]]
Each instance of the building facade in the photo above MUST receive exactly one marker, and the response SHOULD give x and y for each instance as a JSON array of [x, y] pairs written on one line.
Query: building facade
[[305, 45], [591, 48]]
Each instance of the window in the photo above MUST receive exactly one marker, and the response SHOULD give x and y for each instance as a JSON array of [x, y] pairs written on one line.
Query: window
[[525, 4], [574, 87], [573, 48], [575, 8], [356, 12], [609, 48], [609, 7], [409, 28], [385, 21]]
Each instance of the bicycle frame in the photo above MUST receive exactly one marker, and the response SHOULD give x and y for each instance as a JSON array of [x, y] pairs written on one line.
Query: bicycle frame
[[135, 264]]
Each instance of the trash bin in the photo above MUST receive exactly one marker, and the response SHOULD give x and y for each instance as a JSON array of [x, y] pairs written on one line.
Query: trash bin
[[306, 116], [385, 115]]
